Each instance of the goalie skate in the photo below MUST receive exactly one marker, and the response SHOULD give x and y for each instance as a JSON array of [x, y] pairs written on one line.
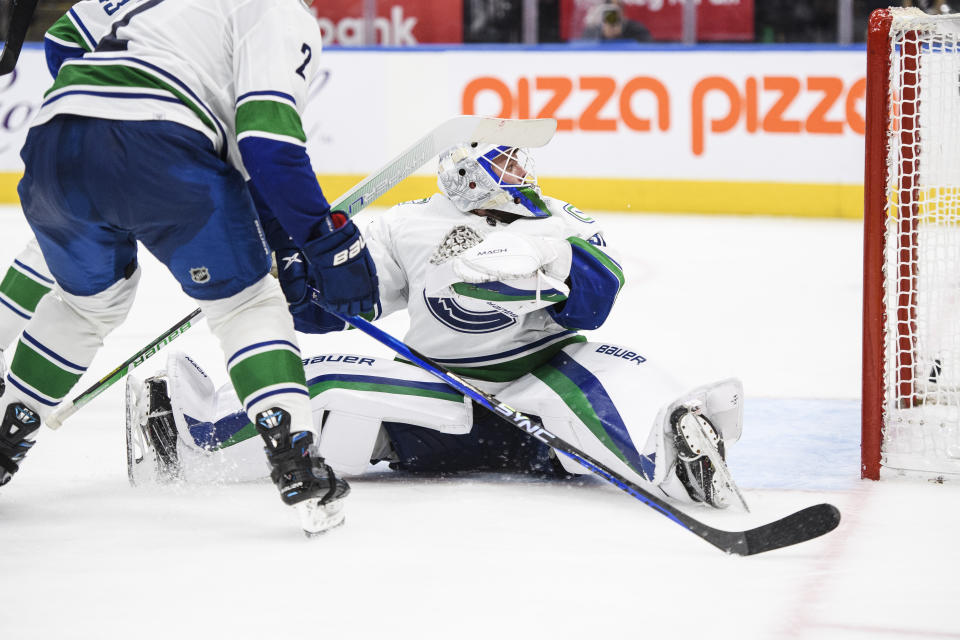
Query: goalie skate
[[701, 465], [151, 434]]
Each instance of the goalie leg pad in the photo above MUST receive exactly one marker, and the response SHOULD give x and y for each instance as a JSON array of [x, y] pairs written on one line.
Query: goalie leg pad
[[153, 442]]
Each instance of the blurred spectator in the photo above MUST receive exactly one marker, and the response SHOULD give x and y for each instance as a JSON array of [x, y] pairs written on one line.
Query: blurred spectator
[[502, 21], [606, 22]]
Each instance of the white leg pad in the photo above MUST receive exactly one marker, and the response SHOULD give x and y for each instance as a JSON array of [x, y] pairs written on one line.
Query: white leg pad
[[347, 441]]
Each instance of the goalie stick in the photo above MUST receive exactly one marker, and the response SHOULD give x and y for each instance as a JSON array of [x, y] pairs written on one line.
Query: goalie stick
[[21, 11], [803, 525], [515, 133]]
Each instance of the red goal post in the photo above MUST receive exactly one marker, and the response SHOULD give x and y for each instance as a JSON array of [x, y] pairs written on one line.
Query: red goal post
[[911, 303]]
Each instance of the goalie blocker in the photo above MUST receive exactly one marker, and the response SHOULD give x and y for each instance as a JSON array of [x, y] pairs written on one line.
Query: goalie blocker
[[623, 411]]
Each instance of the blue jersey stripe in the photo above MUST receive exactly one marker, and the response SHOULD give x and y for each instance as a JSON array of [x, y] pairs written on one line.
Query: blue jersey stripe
[[260, 345], [14, 309], [12, 380], [114, 94], [505, 354], [276, 94], [275, 392], [83, 29], [35, 343], [33, 272]]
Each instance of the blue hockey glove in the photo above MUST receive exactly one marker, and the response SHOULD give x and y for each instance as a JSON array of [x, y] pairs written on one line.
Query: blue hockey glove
[[295, 281], [342, 268]]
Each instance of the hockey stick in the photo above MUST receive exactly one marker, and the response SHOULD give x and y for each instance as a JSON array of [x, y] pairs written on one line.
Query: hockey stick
[[55, 420], [801, 526], [516, 133], [21, 11]]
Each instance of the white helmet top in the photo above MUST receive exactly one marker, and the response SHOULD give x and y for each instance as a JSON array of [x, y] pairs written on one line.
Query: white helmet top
[[486, 176]]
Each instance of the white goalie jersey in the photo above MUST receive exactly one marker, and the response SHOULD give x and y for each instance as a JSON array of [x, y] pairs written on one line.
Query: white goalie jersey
[[497, 330]]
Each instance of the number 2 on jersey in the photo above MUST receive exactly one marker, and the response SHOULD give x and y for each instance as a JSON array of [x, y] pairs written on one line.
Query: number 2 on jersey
[[306, 50]]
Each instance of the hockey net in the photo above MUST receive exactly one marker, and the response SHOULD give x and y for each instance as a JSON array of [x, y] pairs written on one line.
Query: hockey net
[[911, 356]]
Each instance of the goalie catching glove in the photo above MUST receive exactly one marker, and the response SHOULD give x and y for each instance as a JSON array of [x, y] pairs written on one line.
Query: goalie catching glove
[[507, 270], [504, 256]]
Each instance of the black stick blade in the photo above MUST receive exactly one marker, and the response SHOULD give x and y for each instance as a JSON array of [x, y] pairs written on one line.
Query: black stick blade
[[21, 11], [801, 526]]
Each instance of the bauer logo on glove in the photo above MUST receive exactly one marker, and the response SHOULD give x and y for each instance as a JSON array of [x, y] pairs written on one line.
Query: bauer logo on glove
[[352, 252]]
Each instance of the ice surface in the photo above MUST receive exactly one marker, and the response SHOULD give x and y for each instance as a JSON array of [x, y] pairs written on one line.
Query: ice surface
[[775, 302]]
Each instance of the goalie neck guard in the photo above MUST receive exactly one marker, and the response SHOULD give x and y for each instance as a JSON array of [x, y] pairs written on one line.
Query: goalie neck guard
[[486, 176]]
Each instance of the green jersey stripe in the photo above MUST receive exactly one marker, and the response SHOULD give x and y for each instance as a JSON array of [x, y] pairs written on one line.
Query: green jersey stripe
[[269, 116], [75, 74], [266, 369], [22, 290], [479, 293], [514, 369], [320, 387], [42, 374], [571, 395], [63, 30]]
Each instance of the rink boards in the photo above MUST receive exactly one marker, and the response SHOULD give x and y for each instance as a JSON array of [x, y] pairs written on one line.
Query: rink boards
[[729, 129]]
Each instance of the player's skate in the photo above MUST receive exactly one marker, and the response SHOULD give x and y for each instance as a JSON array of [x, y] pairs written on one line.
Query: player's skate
[[152, 454], [3, 375], [18, 425], [304, 480], [701, 458]]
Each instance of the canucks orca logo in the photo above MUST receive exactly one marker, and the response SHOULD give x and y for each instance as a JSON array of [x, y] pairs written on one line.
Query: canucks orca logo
[[452, 314]]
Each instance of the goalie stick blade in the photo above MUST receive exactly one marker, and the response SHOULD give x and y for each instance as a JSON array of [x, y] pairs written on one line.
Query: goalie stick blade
[[795, 528], [515, 133]]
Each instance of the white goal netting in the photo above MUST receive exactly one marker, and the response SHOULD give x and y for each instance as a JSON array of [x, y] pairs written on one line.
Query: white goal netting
[[922, 246]]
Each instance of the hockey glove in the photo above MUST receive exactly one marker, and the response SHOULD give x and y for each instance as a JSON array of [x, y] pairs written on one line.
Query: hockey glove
[[341, 266], [296, 281]]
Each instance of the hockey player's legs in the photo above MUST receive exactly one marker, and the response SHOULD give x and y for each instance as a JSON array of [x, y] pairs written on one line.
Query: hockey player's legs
[[263, 360], [57, 346], [351, 397], [27, 280]]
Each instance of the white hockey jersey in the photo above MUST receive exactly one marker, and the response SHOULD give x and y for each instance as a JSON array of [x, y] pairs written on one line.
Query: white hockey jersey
[[227, 68], [478, 338]]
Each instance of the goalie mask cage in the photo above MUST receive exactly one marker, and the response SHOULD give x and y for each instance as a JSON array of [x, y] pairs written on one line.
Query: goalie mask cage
[[911, 324]]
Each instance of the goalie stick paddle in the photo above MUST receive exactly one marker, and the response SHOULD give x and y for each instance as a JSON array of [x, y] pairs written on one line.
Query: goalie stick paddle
[[515, 133], [801, 526], [21, 11]]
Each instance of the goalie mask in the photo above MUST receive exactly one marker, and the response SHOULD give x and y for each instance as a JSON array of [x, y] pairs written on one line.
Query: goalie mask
[[486, 176]]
